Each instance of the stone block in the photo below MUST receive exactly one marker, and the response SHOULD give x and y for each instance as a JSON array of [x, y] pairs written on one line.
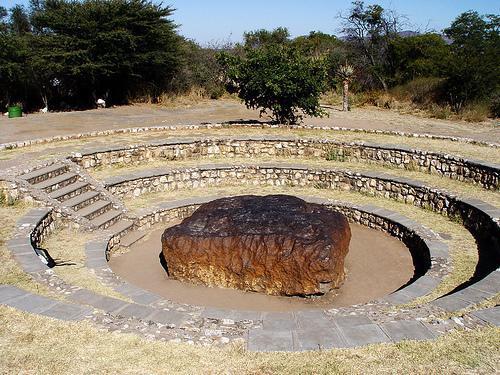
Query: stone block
[[318, 339], [407, 330], [260, 340]]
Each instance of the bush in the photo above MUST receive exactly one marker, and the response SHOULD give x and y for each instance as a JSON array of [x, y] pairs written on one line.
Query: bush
[[277, 78]]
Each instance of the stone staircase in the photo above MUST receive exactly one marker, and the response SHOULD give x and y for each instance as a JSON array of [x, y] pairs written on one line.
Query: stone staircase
[[68, 187]]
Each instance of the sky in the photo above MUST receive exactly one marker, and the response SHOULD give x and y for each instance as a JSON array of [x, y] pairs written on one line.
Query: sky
[[220, 21]]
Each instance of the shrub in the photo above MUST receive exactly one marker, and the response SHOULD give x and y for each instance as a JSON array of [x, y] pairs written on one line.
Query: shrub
[[277, 78]]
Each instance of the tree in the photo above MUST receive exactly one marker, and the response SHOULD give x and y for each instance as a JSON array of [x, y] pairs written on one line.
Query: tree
[[277, 78], [369, 31], [317, 44], [19, 22], [110, 48], [474, 69], [262, 37], [418, 56]]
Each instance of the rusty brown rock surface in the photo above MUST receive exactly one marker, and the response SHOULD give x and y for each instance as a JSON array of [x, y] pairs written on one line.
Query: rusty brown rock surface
[[276, 244]]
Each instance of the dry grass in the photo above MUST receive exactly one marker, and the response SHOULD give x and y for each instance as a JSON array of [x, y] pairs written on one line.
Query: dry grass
[[10, 272], [55, 149], [68, 246], [463, 250], [34, 344]]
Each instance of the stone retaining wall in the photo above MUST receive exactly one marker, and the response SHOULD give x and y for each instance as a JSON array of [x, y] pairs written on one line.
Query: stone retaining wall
[[453, 167], [45, 226]]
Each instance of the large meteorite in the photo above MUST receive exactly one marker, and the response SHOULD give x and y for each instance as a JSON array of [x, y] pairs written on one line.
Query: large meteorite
[[276, 244]]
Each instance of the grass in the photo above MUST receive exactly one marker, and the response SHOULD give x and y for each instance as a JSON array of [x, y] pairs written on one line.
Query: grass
[[10, 272], [34, 344], [68, 246], [63, 148], [463, 250], [462, 189]]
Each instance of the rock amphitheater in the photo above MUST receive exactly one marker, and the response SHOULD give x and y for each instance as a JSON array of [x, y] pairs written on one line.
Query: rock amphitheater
[[113, 188]]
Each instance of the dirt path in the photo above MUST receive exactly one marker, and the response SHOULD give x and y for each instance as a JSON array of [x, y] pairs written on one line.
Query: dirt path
[[65, 123]]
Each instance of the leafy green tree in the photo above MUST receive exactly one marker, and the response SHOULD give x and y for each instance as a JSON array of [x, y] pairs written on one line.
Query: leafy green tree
[[110, 48], [417, 56], [13, 51], [277, 78], [474, 69], [317, 44], [19, 22], [262, 37], [3, 22], [200, 69]]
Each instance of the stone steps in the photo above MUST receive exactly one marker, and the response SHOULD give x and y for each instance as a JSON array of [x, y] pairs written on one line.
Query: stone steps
[[121, 226], [95, 209], [70, 191], [82, 200], [107, 219], [56, 182], [45, 173]]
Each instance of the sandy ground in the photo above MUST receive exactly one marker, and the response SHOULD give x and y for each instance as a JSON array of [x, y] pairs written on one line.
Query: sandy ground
[[65, 123], [377, 264]]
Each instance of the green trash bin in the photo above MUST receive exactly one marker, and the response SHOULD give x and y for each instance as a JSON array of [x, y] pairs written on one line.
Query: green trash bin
[[15, 111]]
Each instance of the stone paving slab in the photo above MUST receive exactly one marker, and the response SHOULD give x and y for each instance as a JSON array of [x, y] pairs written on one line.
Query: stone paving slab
[[490, 315], [8, 292], [451, 303], [490, 283], [279, 321], [318, 339], [31, 303], [30, 263], [437, 249], [362, 334], [397, 298], [21, 241], [108, 304], [99, 262], [314, 320], [421, 286], [269, 340], [352, 320], [65, 311], [144, 298], [473, 295], [136, 311], [20, 249], [407, 330]]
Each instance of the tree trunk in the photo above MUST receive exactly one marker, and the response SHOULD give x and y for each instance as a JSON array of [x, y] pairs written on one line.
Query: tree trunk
[[345, 96]]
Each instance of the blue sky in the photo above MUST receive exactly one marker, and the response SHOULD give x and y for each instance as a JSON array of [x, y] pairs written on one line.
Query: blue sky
[[221, 20]]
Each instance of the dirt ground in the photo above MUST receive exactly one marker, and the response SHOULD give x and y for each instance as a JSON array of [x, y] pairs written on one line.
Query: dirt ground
[[216, 111]]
